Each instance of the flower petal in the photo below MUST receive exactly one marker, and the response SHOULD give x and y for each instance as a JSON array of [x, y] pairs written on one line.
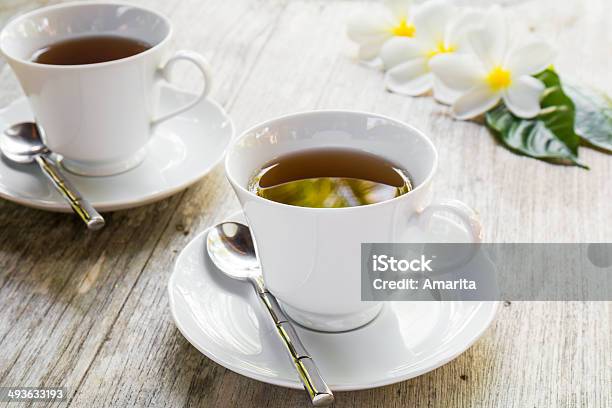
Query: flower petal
[[370, 32], [399, 8], [431, 21], [443, 93], [466, 21], [409, 78], [523, 96], [400, 49], [475, 102], [530, 58], [369, 52], [490, 40], [457, 71], [369, 28]]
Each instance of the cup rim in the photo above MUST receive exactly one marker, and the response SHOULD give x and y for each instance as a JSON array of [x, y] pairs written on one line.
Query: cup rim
[[268, 122], [71, 4]]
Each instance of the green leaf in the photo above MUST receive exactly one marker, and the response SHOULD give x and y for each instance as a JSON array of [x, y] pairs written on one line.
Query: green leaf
[[593, 116], [549, 136]]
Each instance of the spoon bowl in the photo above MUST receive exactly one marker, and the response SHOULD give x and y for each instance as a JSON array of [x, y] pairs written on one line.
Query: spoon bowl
[[230, 247], [22, 142]]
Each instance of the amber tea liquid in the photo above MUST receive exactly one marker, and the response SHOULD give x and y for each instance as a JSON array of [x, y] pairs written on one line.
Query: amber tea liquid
[[89, 49], [330, 178]]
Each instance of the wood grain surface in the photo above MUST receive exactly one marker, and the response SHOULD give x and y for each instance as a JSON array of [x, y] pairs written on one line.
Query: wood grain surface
[[89, 310]]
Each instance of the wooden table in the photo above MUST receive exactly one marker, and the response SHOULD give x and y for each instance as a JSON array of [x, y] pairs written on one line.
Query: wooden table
[[89, 310]]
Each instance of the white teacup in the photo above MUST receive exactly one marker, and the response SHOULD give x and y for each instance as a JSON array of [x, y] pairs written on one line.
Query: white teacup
[[98, 117], [311, 256]]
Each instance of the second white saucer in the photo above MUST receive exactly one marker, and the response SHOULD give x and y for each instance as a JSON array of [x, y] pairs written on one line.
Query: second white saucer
[[224, 320], [182, 151]]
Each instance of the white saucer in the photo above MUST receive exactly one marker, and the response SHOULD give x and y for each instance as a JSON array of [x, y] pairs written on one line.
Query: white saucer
[[223, 320], [182, 151]]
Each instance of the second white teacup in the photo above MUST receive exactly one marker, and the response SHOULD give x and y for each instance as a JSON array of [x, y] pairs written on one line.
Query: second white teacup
[[99, 117], [311, 256]]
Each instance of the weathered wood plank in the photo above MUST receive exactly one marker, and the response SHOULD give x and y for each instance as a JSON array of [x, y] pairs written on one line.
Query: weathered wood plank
[[62, 288]]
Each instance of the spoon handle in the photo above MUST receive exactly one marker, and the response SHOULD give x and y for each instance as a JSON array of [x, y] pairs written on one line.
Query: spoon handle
[[79, 205], [313, 382]]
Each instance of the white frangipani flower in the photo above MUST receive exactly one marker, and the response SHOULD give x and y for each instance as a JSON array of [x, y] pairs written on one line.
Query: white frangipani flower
[[440, 28], [495, 71], [371, 30]]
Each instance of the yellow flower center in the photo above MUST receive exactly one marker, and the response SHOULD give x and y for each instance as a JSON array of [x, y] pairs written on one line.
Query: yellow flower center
[[404, 29], [499, 78], [441, 48]]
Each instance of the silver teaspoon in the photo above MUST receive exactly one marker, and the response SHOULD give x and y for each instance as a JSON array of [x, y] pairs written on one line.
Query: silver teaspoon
[[22, 143], [231, 249]]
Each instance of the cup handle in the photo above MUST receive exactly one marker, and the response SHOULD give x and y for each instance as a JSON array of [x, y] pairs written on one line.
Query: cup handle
[[165, 71], [462, 211], [468, 218]]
